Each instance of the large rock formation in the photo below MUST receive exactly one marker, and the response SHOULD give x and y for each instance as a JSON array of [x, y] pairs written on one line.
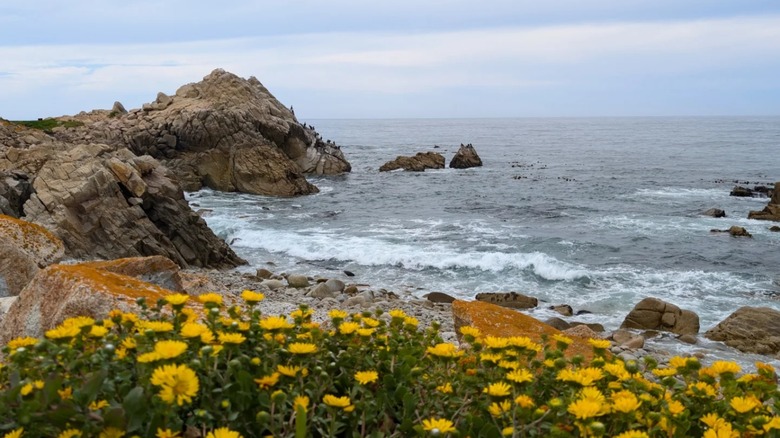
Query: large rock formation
[[417, 163], [750, 330], [772, 211], [655, 314], [465, 157], [105, 202], [226, 133], [15, 190], [25, 248]]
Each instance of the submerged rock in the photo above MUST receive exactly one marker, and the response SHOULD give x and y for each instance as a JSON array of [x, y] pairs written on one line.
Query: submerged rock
[[714, 212]]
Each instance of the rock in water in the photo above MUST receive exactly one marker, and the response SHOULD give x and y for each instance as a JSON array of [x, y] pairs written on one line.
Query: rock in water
[[772, 211], [231, 134], [750, 330], [417, 163], [736, 231], [513, 300], [741, 192], [465, 157], [714, 212], [655, 314]]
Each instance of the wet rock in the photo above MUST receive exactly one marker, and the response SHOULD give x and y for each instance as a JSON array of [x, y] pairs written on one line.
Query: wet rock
[[741, 192], [772, 211], [439, 297], [417, 163], [273, 284], [465, 157], [774, 228], [714, 212], [321, 290], [736, 231], [512, 300], [655, 314], [582, 331], [558, 323], [563, 309], [750, 330], [688, 339], [351, 289]]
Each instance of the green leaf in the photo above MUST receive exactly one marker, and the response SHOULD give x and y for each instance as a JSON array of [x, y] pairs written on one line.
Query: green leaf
[[134, 405], [300, 422], [91, 387]]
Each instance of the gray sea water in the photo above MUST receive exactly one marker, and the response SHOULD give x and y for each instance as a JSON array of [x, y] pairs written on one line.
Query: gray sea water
[[597, 213]]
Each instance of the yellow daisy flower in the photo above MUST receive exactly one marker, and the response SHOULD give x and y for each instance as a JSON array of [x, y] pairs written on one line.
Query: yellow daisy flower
[[178, 383], [366, 377], [338, 402], [223, 432], [252, 297], [210, 297], [301, 348], [438, 425], [444, 349], [177, 299], [231, 338], [499, 389], [275, 323]]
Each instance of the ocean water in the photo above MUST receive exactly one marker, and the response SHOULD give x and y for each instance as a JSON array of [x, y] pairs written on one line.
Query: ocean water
[[597, 213]]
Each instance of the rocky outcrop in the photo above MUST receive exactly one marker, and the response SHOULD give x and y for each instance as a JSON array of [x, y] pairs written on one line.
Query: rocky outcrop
[[493, 320], [62, 291], [772, 211], [750, 330], [226, 133], [655, 314], [15, 190], [156, 270], [512, 300], [25, 248], [417, 163], [740, 191], [465, 157]]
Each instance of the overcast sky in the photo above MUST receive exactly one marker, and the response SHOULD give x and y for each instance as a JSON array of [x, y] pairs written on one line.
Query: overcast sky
[[400, 58]]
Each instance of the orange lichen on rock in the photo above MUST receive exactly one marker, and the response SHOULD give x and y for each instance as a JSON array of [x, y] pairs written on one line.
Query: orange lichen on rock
[[493, 320], [38, 242], [157, 269]]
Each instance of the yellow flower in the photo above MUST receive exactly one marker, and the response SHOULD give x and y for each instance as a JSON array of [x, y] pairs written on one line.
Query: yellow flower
[[65, 393], [490, 357], [252, 297], [520, 376], [591, 393], [128, 343], [583, 376], [676, 408], [301, 314], [336, 313], [302, 348], [21, 342], [524, 401], [617, 369], [289, 371], [701, 389], [633, 434], [508, 431], [744, 404], [16, 433], [164, 350], [223, 432], [682, 362], [438, 425], [26, 389], [497, 409], [69, 433], [365, 332], [601, 344], [63, 332], [211, 297], [111, 432], [762, 367], [722, 366], [302, 401], [411, 321], [445, 389], [348, 327], [712, 420], [167, 433], [444, 350], [509, 364], [563, 339], [468, 330], [266, 382], [338, 402], [370, 322], [192, 329], [366, 377], [275, 323], [524, 342], [625, 402], [722, 430], [97, 331], [774, 423], [231, 338], [397, 313], [98, 405], [664, 372], [495, 342], [155, 326], [585, 408], [499, 389], [178, 383], [177, 299]]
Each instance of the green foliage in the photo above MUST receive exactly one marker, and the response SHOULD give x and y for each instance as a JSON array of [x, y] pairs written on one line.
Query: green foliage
[[212, 371], [48, 124]]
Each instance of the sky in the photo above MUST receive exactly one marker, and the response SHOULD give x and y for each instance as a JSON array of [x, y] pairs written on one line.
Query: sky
[[400, 58]]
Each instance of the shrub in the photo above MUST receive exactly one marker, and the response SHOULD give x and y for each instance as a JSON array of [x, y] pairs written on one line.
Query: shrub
[[170, 370]]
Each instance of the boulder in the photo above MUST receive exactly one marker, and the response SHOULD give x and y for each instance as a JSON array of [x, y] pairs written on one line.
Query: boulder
[[156, 270], [493, 320], [417, 163], [63, 291], [439, 297], [512, 300], [655, 314], [264, 273], [232, 134], [335, 285], [772, 211], [25, 248], [736, 231], [750, 330], [741, 192], [558, 323], [321, 290], [582, 331], [774, 229], [465, 157], [297, 281], [714, 212], [118, 109], [563, 309]]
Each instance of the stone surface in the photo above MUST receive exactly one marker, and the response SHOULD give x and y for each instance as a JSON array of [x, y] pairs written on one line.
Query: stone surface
[[439, 297], [295, 280], [321, 290], [157, 270], [750, 329], [15, 190], [62, 291], [563, 309], [736, 231], [417, 163], [273, 284], [655, 314], [558, 323], [714, 212], [741, 192], [465, 157], [772, 211], [335, 285], [512, 300], [25, 248], [493, 320], [582, 331], [264, 273]]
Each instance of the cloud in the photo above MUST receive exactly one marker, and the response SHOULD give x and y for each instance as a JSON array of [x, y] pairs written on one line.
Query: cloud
[[511, 58]]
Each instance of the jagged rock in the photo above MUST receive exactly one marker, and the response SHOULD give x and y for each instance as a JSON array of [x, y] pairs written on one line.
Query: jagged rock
[[655, 314], [417, 163], [714, 212], [15, 190], [493, 320], [439, 297], [772, 211], [85, 195], [465, 157], [750, 330], [62, 291], [736, 231], [513, 300], [118, 108], [25, 248], [231, 134]]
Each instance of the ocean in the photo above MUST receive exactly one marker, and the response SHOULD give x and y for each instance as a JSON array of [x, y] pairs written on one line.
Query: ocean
[[597, 213]]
